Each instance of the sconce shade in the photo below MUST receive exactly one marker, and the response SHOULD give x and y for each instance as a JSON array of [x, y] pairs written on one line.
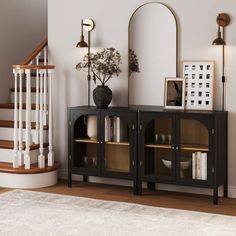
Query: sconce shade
[[218, 40], [81, 43]]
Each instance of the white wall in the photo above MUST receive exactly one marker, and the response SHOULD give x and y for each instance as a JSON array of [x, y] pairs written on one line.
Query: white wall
[[197, 29], [23, 25]]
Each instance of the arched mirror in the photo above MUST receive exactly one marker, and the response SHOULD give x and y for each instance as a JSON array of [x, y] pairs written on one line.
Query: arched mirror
[[153, 42]]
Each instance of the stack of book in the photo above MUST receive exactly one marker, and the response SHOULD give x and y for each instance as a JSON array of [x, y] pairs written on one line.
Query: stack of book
[[199, 165], [115, 129]]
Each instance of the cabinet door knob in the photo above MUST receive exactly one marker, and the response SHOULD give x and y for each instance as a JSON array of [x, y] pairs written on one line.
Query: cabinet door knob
[[177, 148], [172, 148]]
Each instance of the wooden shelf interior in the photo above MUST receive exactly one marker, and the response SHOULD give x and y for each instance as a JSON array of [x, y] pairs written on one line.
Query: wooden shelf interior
[[117, 158], [154, 145], [86, 156], [118, 143], [194, 135], [195, 147], [153, 162], [85, 140], [160, 126]]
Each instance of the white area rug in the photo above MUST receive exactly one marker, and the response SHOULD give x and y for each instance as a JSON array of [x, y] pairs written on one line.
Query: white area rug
[[33, 213]]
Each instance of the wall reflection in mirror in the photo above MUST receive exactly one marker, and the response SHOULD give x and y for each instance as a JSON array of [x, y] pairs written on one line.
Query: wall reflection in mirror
[[152, 53]]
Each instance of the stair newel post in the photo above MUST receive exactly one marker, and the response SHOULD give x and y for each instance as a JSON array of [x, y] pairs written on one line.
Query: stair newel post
[[28, 119], [37, 102], [45, 56], [41, 157], [50, 135], [20, 150], [15, 157]]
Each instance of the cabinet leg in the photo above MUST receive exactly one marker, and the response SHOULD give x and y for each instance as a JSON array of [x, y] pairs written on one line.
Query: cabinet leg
[[69, 181], [151, 186], [135, 189], [139, 188], [226, 190], [85, 178], [215, 196]]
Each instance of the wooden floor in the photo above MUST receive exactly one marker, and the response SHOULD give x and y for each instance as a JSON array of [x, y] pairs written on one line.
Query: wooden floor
[[152, 198]]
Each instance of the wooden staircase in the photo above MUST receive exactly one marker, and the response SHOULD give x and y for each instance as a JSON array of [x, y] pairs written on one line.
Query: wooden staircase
[[26, 149]]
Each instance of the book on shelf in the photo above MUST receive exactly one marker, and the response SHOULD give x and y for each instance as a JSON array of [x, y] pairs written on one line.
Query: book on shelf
[[194, 166], [107, 133], [199, 157], [115, 129], [204, 166], [199, 165]]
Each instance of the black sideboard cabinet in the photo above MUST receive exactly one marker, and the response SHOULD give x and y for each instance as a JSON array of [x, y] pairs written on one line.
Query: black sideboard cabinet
[[105, 152], [150, 144]]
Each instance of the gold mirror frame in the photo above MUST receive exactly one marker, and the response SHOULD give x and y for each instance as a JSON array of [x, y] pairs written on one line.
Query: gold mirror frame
[[177, 46]]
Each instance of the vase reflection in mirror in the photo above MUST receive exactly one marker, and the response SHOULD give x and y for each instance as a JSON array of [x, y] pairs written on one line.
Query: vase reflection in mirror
[[92, 127]]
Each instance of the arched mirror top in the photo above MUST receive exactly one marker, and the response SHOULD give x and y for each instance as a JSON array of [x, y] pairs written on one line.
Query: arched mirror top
[[153, 44]]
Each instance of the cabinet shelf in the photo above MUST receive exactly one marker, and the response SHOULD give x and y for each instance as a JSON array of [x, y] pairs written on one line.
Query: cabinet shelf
[[191, 147], [118, 143], [84, 140], [153, 145]]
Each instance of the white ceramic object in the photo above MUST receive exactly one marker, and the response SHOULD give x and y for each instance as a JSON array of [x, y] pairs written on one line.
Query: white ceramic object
[[92, 127], [184, 164]]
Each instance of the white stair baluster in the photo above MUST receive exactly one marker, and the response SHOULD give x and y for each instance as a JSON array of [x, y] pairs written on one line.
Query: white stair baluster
[[28, 120], [37, 102], [41, 157], [20, 150], [50, 138], [45, 97], [15, 157]]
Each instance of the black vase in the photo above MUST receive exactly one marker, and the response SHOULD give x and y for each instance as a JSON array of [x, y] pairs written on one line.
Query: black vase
[[102, 96]]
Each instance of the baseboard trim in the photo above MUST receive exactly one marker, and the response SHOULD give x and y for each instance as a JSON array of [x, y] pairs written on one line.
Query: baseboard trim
[[63, 174]]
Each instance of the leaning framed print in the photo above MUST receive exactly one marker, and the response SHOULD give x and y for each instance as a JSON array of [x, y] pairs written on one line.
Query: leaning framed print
[[199, 78], [174, 93]]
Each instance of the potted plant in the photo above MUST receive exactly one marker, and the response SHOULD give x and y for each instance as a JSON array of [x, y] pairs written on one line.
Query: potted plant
[[104, 65]]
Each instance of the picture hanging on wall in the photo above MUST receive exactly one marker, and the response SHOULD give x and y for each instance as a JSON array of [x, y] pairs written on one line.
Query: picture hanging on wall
[[199, 78], [174, 93]]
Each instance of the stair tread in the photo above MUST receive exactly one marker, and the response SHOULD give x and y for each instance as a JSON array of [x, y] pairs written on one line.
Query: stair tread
[[10, 124], [42, 60], [11, 106], [33, 90], [7, 168], [9, 144]]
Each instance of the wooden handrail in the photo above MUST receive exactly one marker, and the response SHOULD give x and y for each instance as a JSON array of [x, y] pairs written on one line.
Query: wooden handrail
[[35, 52], [32, 67]]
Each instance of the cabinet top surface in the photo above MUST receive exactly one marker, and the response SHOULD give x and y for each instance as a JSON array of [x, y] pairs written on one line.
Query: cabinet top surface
[[147, 109]]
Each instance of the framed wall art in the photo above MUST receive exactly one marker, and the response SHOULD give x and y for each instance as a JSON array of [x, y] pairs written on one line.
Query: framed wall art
[[174, 93], [199, 78]]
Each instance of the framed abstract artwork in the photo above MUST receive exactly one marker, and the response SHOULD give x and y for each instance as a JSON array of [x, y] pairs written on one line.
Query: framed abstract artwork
[[174, 93], [199, 78]]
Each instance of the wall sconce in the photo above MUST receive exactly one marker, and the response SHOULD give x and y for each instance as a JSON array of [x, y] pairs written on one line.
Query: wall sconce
[[223, 20], [87, 25]]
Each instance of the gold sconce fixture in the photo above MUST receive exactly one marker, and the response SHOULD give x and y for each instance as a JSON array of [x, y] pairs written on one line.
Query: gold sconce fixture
[[223, 20], [87, 25]]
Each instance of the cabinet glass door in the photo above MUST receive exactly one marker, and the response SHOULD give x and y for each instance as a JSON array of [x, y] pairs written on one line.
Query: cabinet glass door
[[193, 150], [158, 152], [86, 142], [116, 144]]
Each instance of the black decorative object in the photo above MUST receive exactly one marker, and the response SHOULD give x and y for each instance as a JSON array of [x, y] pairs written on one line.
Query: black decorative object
[[223, 20], [87, 25], [104, 65], [102, 96]]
